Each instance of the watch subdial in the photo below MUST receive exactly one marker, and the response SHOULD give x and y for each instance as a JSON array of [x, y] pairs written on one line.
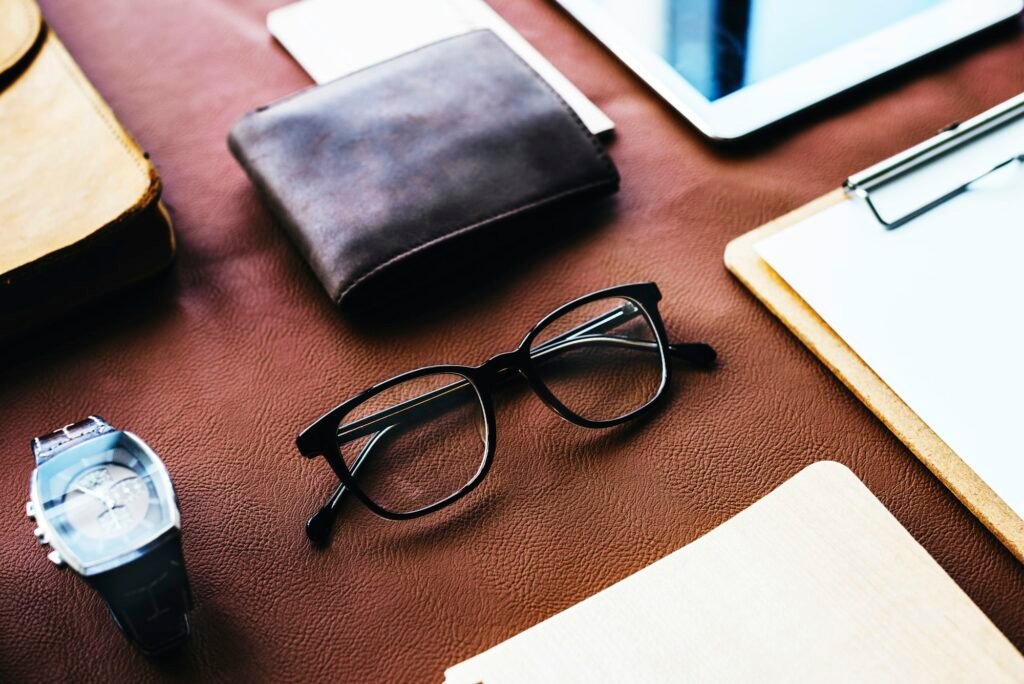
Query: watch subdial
[[96, 479], [127, 491], [115, 520]]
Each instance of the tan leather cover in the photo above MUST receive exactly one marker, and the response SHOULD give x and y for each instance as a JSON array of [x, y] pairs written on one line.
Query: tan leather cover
[[79, 202], [20, 29], [743, 261]]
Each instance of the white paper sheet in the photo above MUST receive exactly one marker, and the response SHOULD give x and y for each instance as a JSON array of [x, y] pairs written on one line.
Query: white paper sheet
[[936, 307], [332, 38]]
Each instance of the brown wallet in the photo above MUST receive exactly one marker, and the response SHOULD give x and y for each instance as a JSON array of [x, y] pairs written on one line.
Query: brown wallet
[[385, 164], [80, 211]]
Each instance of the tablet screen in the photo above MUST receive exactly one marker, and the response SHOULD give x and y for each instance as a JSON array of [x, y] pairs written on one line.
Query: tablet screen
[[722, 46]]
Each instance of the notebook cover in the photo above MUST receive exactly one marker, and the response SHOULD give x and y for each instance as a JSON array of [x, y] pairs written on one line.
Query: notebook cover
[[815, 582], [743, 261]]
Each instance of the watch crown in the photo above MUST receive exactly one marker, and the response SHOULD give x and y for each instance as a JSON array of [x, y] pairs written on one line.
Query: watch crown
[[41, 535], [55, 558], [30, 509]]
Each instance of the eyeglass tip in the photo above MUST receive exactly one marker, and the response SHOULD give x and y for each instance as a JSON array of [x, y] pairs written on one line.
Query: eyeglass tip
[[319, 525], [699, 354], [708, 355]]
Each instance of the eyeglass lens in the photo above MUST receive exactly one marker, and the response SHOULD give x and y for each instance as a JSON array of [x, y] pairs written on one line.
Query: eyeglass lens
[[600, 360]]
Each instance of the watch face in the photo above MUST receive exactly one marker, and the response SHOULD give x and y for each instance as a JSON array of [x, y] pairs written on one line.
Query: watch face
[[105, 498], [107, 501]]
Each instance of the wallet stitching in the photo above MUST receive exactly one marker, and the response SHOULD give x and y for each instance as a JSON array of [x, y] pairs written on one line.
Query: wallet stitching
[[467, 228], [602, 155]]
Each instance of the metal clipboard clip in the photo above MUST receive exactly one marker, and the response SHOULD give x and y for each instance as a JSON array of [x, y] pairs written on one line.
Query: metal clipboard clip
[[862, 184]]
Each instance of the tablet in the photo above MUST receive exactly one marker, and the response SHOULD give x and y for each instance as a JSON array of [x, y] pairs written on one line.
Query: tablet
[[734, 66]]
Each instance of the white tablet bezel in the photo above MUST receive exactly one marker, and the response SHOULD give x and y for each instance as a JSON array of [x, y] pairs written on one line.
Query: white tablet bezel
[[765, 102]]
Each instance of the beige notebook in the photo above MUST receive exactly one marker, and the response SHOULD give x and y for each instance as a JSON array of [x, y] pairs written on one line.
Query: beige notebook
[[815, 582]]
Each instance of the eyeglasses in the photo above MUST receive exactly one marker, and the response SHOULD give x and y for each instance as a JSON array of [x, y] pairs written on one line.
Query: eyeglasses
[[422, 440]]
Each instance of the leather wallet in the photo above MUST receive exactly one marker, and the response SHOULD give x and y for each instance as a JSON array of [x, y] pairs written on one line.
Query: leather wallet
[[80, 211], [461, 135]]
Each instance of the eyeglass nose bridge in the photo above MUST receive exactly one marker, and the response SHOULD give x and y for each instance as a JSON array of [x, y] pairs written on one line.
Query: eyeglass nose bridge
[[503, 363]]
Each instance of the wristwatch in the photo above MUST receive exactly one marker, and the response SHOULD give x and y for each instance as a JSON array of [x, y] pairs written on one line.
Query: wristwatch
[[103, 500]]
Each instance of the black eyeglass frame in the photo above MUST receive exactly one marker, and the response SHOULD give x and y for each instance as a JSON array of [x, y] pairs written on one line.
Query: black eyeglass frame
[[321, 437]]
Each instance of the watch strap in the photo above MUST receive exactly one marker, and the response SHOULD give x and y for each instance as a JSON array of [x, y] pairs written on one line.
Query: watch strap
[[49, 445], [150, 597]]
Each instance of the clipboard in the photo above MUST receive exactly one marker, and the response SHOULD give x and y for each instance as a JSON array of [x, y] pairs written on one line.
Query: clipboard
[[743, 261]]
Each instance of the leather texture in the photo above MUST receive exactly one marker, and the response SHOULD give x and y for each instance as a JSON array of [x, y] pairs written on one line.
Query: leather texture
[[79, 212], [454, 137], [223, 361]]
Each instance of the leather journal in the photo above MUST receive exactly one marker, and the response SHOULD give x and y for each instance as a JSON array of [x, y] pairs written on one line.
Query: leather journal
[[80, 212], [375, 167]]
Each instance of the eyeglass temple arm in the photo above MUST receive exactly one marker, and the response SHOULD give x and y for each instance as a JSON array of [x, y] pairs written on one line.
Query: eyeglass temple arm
[[696, 353], [318, 526]]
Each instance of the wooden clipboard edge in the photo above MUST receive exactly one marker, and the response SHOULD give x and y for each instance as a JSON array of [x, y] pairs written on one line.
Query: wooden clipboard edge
[[746, 265]]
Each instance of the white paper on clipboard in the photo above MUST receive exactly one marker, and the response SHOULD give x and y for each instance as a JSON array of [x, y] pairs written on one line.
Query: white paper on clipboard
[[936, 306]]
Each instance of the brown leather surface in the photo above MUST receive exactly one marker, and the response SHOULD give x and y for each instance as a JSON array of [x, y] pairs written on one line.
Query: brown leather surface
[[238, 349]]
